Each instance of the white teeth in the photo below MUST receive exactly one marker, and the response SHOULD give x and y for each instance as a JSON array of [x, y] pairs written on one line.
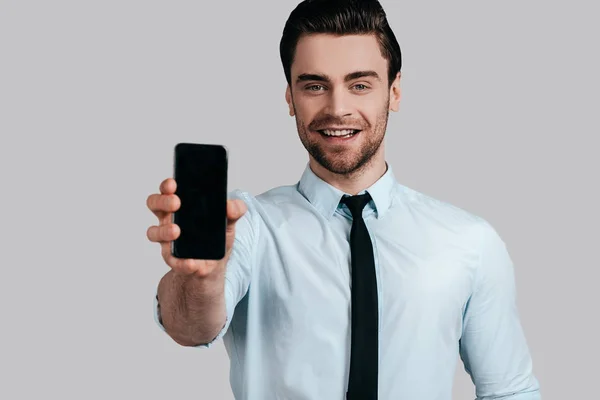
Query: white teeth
[[344, 132]]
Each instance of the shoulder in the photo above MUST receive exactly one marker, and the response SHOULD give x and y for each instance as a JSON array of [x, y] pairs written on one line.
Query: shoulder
[[428, 206], [272, 204], [274, 197], [443, 216]]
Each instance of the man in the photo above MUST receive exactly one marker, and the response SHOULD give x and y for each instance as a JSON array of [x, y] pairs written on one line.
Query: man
[[347, 284]]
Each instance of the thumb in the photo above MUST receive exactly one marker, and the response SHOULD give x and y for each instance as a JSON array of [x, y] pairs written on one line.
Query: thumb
[[235, 210]]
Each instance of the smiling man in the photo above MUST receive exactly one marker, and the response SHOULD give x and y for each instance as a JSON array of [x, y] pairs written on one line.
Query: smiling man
[[348, 284], [342, 113]]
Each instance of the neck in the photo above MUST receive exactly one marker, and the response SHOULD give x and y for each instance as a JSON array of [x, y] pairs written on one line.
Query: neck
[[356, 181]]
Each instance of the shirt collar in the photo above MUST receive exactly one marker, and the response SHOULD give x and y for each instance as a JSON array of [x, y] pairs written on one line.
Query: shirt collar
[[326, 198]]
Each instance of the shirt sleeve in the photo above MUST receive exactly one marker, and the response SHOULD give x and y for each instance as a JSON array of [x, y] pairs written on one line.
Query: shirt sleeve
[[493, 346], [239, 265]]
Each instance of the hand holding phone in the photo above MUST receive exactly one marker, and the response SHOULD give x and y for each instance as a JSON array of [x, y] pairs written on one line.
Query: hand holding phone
[[179, 252]]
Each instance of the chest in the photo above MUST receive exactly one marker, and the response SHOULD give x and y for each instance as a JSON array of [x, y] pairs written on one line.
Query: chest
[[305, 272]]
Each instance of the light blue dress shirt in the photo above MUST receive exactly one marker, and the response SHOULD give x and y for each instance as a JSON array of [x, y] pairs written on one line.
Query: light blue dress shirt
[[446, 289]]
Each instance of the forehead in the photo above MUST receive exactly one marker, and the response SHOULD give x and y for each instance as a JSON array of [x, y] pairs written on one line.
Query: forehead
[[338, 55]]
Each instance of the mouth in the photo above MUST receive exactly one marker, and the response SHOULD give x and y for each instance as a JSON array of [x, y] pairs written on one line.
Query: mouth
[[338, 133]]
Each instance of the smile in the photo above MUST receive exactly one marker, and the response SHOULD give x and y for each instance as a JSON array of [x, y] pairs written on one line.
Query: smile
[[341, 133]]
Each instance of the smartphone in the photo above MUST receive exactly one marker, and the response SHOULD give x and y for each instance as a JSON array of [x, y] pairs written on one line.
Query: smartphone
[[200, 171]]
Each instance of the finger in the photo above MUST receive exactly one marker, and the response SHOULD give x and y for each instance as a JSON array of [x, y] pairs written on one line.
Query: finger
[[151, 204], [185, 266], [173, 262], [168, 186], [235, 210], [172, 204], [163, 233], [160, 204], [165, 250]]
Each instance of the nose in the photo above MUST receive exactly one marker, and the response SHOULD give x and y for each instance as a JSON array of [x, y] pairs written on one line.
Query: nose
[[339, 103]]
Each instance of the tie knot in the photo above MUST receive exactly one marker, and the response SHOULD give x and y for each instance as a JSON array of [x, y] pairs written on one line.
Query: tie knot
[[357, 203]]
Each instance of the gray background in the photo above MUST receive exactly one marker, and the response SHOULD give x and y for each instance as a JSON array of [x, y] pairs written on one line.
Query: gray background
[[499, 115]]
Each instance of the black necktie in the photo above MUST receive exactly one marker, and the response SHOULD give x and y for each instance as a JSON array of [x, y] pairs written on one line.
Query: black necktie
[[362, 383]]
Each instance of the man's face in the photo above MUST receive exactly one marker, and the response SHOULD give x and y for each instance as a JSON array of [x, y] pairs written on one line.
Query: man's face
[[340, 97]]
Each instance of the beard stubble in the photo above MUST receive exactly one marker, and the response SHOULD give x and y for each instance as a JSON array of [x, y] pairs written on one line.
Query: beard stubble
[[340, 159]]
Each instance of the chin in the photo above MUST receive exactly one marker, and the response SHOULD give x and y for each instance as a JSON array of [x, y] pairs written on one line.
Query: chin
[[340, 167]]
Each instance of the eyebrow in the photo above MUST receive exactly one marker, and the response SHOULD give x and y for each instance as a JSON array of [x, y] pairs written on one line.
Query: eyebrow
[[349, 77]]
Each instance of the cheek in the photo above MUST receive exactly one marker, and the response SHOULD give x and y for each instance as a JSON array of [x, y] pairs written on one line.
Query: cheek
[[305, 112], [372, 116], [376, 112]]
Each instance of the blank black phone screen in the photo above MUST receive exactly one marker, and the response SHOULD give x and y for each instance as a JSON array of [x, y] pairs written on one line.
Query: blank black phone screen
[[200, 171]]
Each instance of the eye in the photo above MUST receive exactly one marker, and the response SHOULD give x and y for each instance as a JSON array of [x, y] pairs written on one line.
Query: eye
[[360, 87], [315, 88]]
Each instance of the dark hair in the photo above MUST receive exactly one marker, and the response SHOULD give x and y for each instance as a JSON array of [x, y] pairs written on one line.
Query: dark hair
[[340, 17]]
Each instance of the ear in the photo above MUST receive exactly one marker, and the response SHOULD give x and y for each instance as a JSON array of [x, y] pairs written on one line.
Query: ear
[[288, 99], [395, 94]]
